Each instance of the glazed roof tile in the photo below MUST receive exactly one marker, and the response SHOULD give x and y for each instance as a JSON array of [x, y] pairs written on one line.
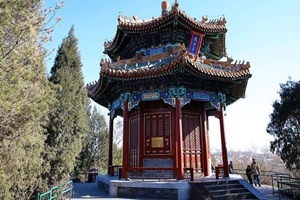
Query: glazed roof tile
[[140, 25], [168, 64], [134, 25], [112, 74], [145, 68]]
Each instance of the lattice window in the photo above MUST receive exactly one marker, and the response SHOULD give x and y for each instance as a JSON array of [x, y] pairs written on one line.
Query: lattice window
[[147, 126], [192, 132], [167, 124], [160, 125], [184, 129], [187, 133], [197, 133], [133, 142], [191, 141], [157, 134], [154, 125]]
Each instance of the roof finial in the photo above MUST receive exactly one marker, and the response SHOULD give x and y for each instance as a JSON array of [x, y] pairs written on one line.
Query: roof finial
[[164, 7], [176, 5]]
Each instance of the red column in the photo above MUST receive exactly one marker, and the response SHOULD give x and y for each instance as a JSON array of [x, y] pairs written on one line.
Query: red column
[[125, 141], [223, 142], [205, 150], [180, 172], [208, 144], [141, 135], [110, 141]]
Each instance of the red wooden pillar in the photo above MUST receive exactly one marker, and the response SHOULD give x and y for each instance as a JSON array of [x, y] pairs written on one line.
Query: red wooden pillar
[[110, 142], [179, 156], [223, 142], [208, 145], [125, 140], [205, 150], [141, 136]]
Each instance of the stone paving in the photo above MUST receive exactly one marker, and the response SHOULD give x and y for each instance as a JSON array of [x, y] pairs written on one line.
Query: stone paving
[[91, 192], [267, 191]]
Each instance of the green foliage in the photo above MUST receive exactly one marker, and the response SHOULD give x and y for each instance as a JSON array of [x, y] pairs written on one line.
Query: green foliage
[[117, 155], [117, 150], [95, 152], [83, 162], [68, 117], [285, 125], [98, 143], [24, 98]]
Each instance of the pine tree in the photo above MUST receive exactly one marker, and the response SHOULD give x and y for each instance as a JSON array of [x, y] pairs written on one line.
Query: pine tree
[[95, 153], [83, 162], [117, 151], [284, 126], [68, 119], [24, 98], [98, 141]]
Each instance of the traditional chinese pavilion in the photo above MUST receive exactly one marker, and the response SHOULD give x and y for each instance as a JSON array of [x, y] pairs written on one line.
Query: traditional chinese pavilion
[[165, 78]]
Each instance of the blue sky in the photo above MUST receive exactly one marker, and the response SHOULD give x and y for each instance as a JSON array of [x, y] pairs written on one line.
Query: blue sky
[[264, 32]]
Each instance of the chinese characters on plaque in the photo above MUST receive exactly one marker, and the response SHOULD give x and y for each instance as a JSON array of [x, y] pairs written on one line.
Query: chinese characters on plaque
[[195, 44]]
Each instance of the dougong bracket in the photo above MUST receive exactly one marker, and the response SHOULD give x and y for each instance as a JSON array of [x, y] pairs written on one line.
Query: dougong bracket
[[178, 92]]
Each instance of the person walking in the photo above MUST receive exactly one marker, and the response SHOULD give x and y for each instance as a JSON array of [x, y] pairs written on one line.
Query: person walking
[[249, 174], [256, 172], [230, 166]]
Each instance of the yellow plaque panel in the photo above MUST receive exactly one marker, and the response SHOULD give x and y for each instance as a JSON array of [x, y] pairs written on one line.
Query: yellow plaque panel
[[157, 142]]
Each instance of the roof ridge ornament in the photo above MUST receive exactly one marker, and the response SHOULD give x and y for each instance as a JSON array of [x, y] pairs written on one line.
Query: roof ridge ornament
[[204, 19], [164, 7], [175, 6]]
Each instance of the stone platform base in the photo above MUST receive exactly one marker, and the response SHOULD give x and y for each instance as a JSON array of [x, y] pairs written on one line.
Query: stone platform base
[[144, 189]]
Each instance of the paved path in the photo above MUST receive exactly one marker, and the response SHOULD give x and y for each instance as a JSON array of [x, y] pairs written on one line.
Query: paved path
[[91, 192], [267, 191]]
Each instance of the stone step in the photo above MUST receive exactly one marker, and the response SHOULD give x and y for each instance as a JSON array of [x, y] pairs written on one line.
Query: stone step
[[229, 191], [222, 190], [234, 185], [244, 195]]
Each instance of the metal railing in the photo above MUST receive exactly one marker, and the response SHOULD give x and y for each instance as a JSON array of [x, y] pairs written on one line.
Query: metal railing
[[286, 185], [279, 177], [265, 176], [64, 190]]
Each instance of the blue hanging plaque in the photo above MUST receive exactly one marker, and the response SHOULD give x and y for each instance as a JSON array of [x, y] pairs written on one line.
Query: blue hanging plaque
[[150, 96], [201, 96]]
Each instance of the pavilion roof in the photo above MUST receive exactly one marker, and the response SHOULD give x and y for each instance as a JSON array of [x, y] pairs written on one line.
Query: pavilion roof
[[175, 17], [130, 67], [164, 65]]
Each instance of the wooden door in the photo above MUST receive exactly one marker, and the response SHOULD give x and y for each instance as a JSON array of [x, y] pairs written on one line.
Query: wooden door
[[191, 141], [157, 130]]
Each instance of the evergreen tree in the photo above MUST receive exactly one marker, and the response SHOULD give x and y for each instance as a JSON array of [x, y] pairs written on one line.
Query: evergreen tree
[[68, 119], [98, 141], [24, 98], [285, 125], [99, 145], [83, 162], [95, 153], [117, 150]]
